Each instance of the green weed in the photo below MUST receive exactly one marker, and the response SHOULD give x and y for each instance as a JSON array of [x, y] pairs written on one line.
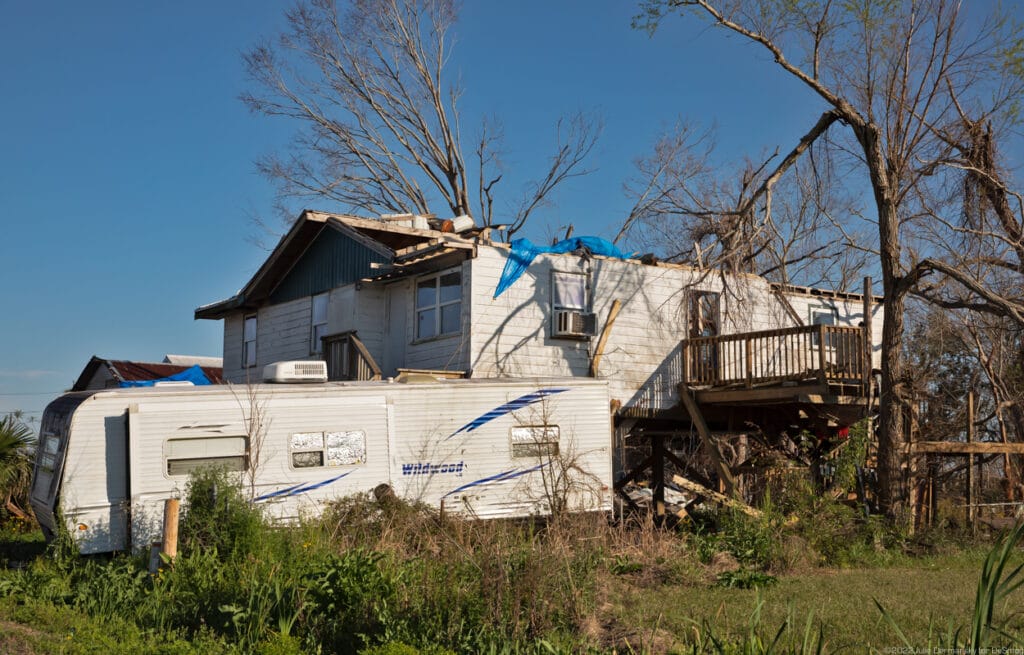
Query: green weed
[[999, 579]]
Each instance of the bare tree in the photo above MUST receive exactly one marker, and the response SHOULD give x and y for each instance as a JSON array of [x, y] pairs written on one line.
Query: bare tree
[[890, 75], [378, 113], [755, 221], [253, 406]]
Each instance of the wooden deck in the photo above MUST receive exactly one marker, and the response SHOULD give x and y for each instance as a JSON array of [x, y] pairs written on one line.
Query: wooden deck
[[814, 376], [810, 364]]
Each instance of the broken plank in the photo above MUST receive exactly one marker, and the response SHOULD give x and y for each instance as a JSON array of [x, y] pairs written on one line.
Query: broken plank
[[721, 499], [599, 351]]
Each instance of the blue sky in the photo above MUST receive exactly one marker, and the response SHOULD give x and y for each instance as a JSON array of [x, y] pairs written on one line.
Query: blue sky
[[127, 184]]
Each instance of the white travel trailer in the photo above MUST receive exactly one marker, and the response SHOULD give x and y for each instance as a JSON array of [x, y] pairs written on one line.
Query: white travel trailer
[[107, 460]]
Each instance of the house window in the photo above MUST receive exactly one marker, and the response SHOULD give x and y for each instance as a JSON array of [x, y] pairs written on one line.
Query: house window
[[535, 441], [569, 290], [704, 314], [337, 448], [439, 305], [705, 322], [319, 324], [823, 315], [249, 342], [183, 456]]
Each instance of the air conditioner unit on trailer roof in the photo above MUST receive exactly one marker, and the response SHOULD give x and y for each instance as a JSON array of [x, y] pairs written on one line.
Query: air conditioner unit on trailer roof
[[297, 371]]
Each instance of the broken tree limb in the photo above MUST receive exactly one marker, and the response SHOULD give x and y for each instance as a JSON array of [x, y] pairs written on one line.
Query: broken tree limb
[[17, 511], [595, 362], [721, 499]]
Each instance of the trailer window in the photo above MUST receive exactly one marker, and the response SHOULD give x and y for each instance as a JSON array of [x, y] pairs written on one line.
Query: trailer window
[[187, 455], [335, 448], [535, 441], [48, 456]]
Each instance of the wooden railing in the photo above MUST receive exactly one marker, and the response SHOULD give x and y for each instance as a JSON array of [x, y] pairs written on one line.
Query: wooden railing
[[821, 353], [348, 359]]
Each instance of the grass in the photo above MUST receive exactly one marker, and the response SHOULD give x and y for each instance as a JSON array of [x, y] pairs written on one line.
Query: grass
[[391, 579], [925, 593], [28, 626]]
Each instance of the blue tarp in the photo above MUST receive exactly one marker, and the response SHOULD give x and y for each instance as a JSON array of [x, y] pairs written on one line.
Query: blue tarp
[[523, 252], [193, 374]]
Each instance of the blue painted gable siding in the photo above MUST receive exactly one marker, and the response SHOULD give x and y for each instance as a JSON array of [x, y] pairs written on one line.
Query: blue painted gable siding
[[332, 260]]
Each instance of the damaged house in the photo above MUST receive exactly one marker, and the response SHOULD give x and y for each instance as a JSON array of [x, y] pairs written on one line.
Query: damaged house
[[379, 299]]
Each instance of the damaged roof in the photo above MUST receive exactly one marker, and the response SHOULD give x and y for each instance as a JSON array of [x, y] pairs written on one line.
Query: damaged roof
[[381, 238], [125, 370]]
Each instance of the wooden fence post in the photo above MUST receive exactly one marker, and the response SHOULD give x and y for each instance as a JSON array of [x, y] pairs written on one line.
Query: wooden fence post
[[970, 460], [170, 545]]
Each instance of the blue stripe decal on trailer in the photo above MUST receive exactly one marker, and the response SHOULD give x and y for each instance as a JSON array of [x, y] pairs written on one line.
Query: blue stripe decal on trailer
[[511, 406], [499, 477], [299, 488]]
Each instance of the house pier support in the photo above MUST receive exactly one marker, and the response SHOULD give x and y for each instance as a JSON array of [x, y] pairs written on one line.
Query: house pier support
[[652, 468]]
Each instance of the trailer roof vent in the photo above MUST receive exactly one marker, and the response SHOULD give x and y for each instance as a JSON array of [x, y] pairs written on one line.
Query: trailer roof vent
[[300, 371]]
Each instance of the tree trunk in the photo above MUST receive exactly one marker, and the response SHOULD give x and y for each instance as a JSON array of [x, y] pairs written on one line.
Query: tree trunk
[[892, 484]]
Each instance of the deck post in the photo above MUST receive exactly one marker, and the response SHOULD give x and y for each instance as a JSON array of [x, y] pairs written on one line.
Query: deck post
[[750, 362], [684, 349], [866, 336], [658, 474], [822, 371]]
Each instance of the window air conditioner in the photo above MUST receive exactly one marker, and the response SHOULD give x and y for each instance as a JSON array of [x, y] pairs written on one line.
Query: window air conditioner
[[574, 323], [300, 371]]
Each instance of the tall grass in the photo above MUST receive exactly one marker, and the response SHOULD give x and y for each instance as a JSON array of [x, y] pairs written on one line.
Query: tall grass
[[998, 581], [388, 578]]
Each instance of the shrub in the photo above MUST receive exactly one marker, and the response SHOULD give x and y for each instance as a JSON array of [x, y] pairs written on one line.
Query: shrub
[[350, 600], [219, 516]]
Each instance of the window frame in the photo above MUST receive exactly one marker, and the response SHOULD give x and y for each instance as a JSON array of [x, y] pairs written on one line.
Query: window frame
[[814, 311], [534, 444], [249, 346], [437, 306], [698, 317], [316, 346], [584, 306], [238, 460], [323, 450]]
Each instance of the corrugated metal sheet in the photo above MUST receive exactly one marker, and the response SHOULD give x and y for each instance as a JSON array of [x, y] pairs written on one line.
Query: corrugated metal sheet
[[332, 260], [135, 371]]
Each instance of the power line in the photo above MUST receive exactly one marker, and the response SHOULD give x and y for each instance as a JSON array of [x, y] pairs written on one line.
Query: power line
[[33, 393]]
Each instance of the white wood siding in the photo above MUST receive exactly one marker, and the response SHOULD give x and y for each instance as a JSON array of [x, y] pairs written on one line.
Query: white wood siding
[[511, 335], [369, 319], [448, 353], [360, 311], [849, 312], [233, 371], [283, 332]]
